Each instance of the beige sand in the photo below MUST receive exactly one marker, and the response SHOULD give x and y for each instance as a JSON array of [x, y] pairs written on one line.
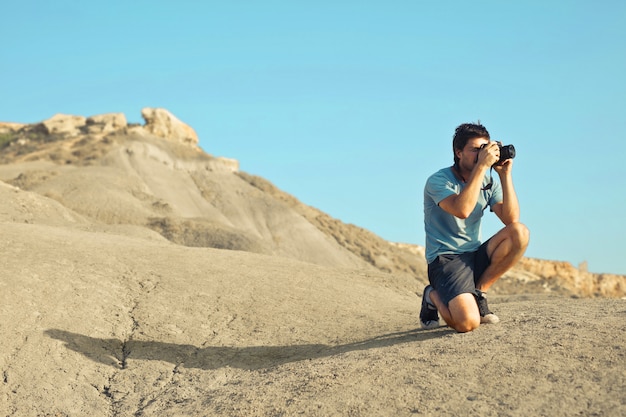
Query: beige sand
[[105, 325]]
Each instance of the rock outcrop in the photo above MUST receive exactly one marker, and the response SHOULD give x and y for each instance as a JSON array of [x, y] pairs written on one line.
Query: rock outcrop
[[563, 276], [162, 123], [63, 138], [159, 122], [106, 123], [63, 124]]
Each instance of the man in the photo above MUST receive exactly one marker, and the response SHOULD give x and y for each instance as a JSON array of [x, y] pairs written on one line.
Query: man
[[460, 268]]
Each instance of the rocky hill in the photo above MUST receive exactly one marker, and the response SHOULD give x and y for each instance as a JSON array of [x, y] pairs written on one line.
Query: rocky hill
[[141, 276], [154, 179]]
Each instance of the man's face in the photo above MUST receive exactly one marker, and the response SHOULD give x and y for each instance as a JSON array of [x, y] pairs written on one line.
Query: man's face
[[469, 154]]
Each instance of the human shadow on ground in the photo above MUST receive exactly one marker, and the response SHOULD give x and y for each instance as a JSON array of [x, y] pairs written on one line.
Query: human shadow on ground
[[117, 353]]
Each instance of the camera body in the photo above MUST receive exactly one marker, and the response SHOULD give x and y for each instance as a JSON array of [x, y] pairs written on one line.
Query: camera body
[[506, 152]]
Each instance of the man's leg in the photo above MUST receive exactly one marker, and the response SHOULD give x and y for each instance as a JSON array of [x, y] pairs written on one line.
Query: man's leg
[[461, 313], [504, 249]]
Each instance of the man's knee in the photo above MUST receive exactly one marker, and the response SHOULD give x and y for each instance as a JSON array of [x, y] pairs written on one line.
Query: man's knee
[[519, 234], [464, 313], [467, 325]]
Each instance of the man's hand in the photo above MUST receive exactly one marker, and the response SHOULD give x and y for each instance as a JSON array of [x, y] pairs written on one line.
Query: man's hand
[[504, 168], [489, 155]]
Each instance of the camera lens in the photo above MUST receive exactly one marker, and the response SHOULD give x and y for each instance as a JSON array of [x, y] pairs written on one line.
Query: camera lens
[[507, 152]]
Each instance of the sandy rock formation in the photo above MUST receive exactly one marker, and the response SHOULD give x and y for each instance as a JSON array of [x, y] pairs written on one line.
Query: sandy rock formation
[[159, 122], [63, 124], [71, 125], [564, 275], [92, 137], [106, 123], [162, 123]]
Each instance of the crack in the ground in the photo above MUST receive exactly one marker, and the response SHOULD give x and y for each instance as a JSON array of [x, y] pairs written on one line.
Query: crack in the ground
[[11, 358], [154, 396], [127, 342], [145, 288], [114, 397]]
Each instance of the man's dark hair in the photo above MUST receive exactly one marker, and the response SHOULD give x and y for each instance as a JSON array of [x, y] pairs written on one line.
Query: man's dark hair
[[465, 132]]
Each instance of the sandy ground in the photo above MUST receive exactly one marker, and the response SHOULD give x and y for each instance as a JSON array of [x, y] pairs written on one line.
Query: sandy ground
[[102, 324]]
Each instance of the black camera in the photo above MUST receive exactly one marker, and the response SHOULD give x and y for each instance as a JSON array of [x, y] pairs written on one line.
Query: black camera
[[506, 152]]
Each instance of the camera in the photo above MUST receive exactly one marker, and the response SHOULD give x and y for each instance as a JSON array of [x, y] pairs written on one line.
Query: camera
[[506, 152]]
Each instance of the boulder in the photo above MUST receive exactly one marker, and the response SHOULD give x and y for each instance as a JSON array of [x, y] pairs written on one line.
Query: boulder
[[63, 124], [106, 123], [161, 122]]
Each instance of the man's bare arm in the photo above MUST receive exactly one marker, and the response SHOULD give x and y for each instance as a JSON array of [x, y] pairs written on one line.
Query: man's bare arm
[[508, 211], [461, 205]]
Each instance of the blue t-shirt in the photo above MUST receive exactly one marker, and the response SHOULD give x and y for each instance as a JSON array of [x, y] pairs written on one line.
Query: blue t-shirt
[[445, 233]]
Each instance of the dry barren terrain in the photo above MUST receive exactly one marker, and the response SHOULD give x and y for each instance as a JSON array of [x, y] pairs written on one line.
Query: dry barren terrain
[[141, 276]]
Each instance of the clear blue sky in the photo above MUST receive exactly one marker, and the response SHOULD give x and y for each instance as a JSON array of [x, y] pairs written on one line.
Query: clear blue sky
[[351, 105]]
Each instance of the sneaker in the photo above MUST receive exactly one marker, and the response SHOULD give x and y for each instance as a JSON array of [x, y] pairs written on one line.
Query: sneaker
[[486, 316], [429, 317]]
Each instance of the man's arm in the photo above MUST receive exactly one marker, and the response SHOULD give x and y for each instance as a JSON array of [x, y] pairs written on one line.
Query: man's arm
[[461, 205], [508, 210]]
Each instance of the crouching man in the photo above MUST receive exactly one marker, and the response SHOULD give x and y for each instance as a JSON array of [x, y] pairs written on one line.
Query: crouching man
[[461, 268]]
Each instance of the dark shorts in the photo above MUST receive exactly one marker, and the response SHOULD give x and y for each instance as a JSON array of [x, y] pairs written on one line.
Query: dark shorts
[[453, 275]]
